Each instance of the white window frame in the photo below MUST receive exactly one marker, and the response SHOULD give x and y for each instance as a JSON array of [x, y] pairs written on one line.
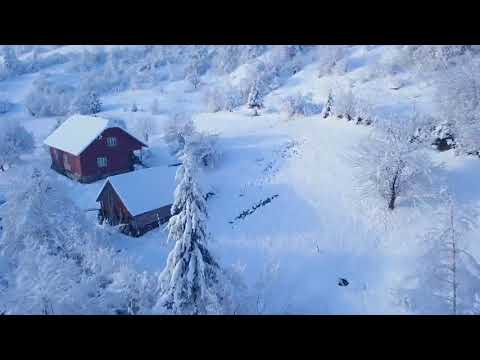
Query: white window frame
[[111, 141], [102, 162]]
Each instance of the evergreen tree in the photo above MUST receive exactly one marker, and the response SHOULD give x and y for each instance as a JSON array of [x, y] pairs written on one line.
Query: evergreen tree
[[255, 101], [327, 110], [191, 280]]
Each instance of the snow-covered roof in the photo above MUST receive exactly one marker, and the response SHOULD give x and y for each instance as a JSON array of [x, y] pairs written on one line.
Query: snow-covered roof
[[76, 133], [144, 190]]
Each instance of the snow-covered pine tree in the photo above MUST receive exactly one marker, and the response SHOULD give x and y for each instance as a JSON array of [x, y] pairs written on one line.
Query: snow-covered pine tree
[[254, 101], [328, 108], [191, 280]]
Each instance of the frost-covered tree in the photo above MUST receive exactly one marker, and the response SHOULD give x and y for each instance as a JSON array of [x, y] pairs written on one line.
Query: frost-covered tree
[[392, 165], [145, 128], [176, 131], [255, 101], [58, 263], [46, 98], [447, 278], [9, 63], [204, 149], [87, 103], [155, 107], [192, 73], [429, 58], [331, 59], [458, 102], [14, 141], [191, 282]]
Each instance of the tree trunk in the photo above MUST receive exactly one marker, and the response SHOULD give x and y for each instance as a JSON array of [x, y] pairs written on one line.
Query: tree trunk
[[391, 204]]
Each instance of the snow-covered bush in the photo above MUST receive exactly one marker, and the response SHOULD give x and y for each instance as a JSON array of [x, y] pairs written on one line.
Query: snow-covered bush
[[300, 105], [46, 98], [14, 141], [344, 104]]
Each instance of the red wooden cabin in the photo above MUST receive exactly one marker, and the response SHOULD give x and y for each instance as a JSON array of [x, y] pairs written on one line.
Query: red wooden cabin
[[89, 148], [139, 201]]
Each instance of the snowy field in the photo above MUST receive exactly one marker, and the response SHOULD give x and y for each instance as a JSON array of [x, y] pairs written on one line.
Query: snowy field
[[292, 250]]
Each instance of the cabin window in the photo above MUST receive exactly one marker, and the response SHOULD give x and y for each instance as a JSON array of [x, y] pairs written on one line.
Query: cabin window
[[102, 162], [112, 141]]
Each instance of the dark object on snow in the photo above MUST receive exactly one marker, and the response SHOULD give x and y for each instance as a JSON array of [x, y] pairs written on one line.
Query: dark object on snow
[[209, 195], [444, 144], [245, 213], [343, 282], [175, 165]]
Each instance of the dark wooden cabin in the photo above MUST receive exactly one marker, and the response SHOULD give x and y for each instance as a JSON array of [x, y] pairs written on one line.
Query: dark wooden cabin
[[89, 148], [139, 201]]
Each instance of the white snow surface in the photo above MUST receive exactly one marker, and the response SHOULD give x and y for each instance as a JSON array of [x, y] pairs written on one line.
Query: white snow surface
[[145, 190], [292, 250]]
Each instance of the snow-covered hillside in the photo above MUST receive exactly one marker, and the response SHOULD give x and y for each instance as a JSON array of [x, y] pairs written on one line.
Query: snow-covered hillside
[[289, 213]]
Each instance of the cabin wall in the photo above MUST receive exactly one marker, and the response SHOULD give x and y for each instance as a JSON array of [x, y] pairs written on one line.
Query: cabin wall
[[112, 207], [119, 157], [66, 163], [148, 221]]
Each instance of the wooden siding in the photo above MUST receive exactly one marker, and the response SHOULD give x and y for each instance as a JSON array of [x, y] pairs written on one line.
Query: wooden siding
[[119, 157], [59, 159], [112, 208]]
